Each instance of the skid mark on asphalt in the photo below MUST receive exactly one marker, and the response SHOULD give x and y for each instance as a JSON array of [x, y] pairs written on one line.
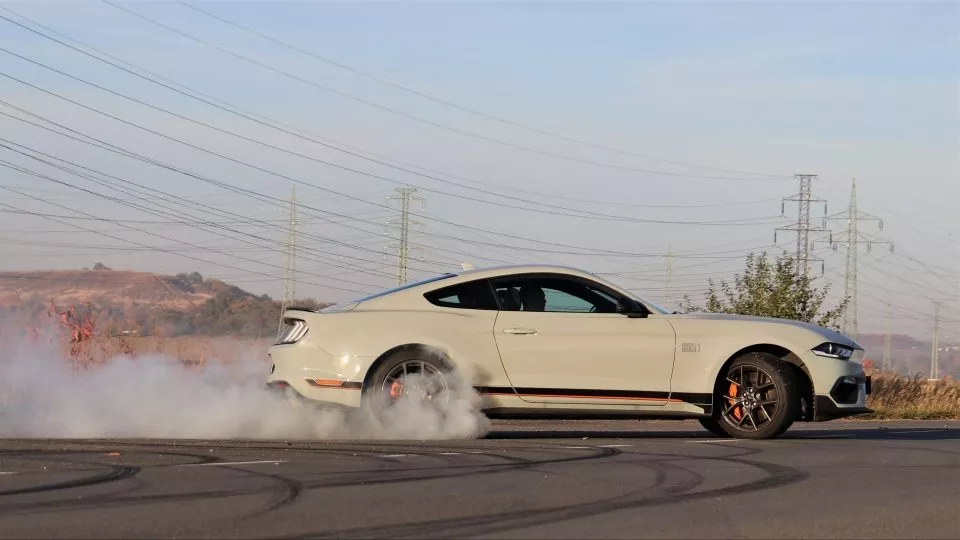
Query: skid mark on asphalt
[[228, 463]]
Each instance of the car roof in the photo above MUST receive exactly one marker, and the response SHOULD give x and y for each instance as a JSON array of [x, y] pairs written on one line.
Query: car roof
[[449, 279], [506, 270]]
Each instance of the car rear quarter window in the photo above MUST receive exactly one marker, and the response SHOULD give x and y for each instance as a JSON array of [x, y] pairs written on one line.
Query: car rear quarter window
[[470, 295]]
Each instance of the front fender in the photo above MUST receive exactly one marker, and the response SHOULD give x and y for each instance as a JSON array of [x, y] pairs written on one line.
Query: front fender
[[702, 354]]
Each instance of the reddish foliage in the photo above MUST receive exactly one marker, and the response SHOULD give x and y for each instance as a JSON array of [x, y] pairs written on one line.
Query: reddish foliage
[[79, 329]]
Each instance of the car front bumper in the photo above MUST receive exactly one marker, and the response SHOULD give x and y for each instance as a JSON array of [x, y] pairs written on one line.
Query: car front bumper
[[838, 404]]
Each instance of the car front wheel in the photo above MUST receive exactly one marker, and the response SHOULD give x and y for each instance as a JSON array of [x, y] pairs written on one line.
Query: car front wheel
[[758, 397]]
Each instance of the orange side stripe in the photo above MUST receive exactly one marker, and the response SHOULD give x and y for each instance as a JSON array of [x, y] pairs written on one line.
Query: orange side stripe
[[625, 398]]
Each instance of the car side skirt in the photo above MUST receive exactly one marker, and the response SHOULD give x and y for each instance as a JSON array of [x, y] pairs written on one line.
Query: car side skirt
[[594, 403], [594, 394], [566, 413]]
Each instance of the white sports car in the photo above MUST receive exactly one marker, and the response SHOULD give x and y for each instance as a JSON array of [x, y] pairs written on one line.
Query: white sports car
[[555, 342]]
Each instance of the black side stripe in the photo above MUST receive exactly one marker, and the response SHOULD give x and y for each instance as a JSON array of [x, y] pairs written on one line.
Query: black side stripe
[[640, 395]]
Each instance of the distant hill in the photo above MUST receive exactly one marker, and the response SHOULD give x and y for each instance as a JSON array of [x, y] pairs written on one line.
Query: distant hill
[[898, 342], [108, 287], [140, 302]]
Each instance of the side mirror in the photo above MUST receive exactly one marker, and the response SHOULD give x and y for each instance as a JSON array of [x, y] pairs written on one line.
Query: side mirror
[[631, 308]]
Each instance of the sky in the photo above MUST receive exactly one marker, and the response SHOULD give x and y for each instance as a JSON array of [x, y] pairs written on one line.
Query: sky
[[651, 142]]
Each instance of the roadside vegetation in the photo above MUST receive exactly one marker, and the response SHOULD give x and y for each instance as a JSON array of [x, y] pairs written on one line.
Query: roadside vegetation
[[772, 289], [77, 335], [897, 396]]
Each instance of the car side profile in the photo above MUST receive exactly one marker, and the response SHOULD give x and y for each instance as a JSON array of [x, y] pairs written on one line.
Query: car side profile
[[557, 342]]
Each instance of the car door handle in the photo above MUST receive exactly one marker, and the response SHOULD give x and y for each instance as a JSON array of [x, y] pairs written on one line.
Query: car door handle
[[520, 331]]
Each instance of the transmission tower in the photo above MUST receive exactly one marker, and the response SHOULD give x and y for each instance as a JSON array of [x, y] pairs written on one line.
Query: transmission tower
[[853, 238], [290, 292], [407, 197], [802, 227]]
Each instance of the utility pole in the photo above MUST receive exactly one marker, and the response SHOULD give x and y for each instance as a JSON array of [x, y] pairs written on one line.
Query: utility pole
[[290, 280], [935, 349], [887, 339], [406, 197], [854, 237], [670, 273], [802, 227]]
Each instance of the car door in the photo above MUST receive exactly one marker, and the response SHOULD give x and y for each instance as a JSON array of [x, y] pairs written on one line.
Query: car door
[[570, 345]]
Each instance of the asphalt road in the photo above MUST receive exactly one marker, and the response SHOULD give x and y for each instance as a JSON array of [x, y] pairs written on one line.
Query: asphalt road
[[524, 480]]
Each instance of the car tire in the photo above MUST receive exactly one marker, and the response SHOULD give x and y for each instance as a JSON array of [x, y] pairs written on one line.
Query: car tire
[[378, 390], [713, 426], [758, 397]]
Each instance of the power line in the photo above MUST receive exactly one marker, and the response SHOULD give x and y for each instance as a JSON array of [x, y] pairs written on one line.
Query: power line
[[461, 107], [255, 195], [147, 210], [558, 210], [168, 251], [588, 250], [181, 199], [307, 135], [403, 114]]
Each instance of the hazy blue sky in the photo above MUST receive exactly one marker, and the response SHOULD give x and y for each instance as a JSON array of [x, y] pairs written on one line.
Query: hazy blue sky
[[694, 90]]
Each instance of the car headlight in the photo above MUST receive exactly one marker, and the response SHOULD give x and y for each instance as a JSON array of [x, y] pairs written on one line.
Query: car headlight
[[833, 350], [292, 332]]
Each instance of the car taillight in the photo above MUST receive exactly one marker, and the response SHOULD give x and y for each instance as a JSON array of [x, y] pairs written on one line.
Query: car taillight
[[293, 331]]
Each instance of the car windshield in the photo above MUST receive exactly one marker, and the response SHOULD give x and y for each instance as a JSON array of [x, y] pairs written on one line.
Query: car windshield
[[655, 307], [405, 286]]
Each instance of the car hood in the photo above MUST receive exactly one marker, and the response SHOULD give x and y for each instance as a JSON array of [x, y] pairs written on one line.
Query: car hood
[[826, 333]]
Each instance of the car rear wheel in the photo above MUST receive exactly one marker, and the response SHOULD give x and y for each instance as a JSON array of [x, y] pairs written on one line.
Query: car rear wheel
[[710, 424], [758, 397], [408, 380]]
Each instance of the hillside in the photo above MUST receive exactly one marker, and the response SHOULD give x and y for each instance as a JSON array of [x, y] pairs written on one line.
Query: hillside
[[106, 287], [139, 303]]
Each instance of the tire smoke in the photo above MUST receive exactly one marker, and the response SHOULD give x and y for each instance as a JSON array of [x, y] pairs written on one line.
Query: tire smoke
[[154, 396]]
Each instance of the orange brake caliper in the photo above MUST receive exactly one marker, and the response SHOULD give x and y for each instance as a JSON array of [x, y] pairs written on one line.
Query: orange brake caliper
[[395, 389], [733, 394]]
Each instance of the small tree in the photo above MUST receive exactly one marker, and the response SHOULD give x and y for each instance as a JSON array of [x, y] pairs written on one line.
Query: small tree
[[768, 289]]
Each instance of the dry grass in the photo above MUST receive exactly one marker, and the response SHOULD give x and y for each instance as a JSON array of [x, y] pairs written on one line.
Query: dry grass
[[83, 344], [914, 398]]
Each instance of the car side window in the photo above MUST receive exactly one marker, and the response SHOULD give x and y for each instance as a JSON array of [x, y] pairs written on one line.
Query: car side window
[[470, 295], [553, 295]]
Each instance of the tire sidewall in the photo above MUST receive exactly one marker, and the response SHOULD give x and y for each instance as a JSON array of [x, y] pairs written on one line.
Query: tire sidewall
[[787, 389], [373, 400]]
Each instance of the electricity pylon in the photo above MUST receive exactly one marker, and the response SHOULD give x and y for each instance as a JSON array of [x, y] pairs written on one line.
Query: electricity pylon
[[853, 239], [290, 287], [407, 197], [802, 227]]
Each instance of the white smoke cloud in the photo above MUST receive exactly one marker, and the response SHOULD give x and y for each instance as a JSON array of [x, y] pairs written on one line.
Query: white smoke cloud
[[154, 396]]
